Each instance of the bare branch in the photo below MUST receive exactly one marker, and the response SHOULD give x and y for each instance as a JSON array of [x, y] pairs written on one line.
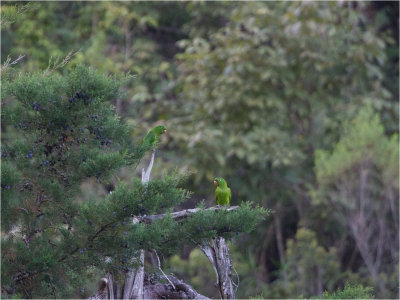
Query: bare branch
[[238, 279], [137, 288], [183, 214], [146, 175], [159, 267], [186, 288]]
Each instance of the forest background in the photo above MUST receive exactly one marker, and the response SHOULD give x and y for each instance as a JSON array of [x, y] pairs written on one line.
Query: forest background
[[294, 103]]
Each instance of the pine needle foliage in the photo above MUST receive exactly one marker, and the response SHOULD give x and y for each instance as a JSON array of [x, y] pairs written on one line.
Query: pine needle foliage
[[59, 132], [349, 291]]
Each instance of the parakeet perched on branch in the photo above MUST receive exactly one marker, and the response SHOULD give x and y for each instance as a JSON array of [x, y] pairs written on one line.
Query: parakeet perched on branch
[[223, 192], [152, 137], [149, 142]]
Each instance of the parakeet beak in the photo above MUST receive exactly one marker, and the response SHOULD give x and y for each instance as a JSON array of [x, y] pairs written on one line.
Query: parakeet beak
[[215, 182], [165, 131]]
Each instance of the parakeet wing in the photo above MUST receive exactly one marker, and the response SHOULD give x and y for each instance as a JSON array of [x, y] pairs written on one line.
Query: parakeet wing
[[149, 139]]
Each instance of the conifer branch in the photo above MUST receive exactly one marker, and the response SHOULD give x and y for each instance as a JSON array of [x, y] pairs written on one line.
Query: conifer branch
[[8, 62], [62, 63], [20, 9], [183, 214], [102, 228], [5, 65]]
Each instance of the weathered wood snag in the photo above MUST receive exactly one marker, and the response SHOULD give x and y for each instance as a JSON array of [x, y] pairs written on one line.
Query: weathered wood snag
[[218, 253]]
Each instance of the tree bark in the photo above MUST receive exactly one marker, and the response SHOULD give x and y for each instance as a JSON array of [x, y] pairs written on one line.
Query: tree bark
[[218, 253], [154, 289], [182, 214], [130, 278], [137, 290], [180, 285]]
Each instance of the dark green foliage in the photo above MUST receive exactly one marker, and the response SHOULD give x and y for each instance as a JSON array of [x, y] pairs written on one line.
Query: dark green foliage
[[349, 292], [9, 181], [67, 126], [61, 132], [209, 224]]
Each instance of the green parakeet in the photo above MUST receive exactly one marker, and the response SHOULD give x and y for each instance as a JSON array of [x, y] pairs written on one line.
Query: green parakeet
[[152, 137], [223, 193]]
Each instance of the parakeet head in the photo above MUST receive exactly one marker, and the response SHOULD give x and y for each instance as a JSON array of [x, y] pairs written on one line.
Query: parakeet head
[[160, 129], [218, 181]]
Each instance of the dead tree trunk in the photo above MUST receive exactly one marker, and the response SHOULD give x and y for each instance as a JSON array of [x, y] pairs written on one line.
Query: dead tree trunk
[[133, 287], [136, 291], [218, 253]]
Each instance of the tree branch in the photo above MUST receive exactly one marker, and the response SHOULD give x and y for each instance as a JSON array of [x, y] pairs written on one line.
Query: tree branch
[[183, 214], [159, 267], [180, 285], [61, 64], [8, 62], [154, 289]]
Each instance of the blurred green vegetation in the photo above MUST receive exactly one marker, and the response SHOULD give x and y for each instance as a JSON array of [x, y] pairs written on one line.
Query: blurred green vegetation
[[294, 103], [349, 292]]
